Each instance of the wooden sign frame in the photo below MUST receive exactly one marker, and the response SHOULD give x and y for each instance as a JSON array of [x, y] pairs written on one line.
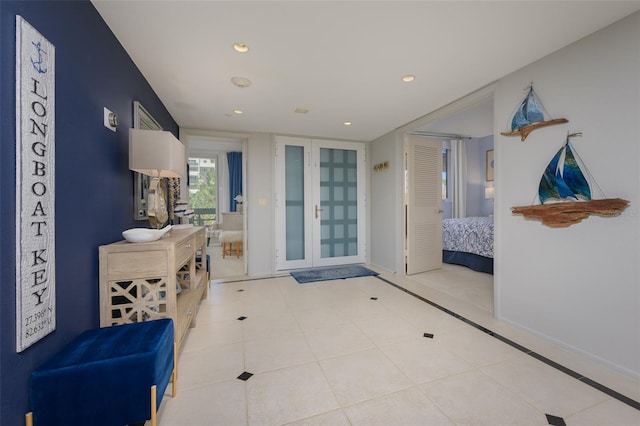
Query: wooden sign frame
[[35, 186]]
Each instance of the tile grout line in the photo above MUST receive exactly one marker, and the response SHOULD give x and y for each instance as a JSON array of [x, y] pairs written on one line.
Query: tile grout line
[[602, 388]]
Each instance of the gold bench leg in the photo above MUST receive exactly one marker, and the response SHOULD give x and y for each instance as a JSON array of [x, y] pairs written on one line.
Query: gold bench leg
[[28, 419], [153, 406], [174, 375]]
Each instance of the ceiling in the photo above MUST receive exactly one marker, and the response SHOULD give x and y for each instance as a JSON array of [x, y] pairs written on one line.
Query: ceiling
[[341, 61]]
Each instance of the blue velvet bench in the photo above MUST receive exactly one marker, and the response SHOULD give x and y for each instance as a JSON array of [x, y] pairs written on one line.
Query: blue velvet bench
[[107, 376]]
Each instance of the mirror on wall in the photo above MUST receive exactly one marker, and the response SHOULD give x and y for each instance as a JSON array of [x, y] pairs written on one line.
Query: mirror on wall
[[142, 120]]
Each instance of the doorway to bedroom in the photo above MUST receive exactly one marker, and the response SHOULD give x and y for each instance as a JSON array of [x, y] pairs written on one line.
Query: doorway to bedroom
[[465, 133]]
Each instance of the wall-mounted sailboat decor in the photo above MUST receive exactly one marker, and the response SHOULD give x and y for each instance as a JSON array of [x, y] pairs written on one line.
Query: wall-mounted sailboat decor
[[565, 194], [529, 116]]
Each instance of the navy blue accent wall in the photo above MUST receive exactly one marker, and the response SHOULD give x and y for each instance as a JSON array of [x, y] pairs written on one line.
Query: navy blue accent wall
[[94, 188]]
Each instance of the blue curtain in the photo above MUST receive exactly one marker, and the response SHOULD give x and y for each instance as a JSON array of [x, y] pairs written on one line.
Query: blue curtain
[[234, 160]]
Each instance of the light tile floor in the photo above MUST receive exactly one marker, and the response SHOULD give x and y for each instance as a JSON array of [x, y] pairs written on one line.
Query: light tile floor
[[326, 353], [229, 267]]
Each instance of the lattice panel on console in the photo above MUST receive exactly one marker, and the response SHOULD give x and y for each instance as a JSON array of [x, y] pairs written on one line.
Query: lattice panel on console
[[137, 300], [183, 277]]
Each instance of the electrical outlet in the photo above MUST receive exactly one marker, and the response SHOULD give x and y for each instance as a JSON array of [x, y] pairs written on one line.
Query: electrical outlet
[[110, 120]]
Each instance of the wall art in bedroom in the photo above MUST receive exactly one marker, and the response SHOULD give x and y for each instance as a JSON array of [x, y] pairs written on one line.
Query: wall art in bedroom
[[489, 166]]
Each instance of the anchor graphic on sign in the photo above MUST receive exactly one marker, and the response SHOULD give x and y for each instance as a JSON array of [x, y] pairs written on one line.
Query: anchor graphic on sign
[[37, 65]]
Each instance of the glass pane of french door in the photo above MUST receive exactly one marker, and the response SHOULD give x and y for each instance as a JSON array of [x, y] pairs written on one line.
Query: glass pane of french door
[[294, 202], [339, 203]]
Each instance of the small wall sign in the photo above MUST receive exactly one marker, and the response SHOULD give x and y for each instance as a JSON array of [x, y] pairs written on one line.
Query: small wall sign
[[35, 186]]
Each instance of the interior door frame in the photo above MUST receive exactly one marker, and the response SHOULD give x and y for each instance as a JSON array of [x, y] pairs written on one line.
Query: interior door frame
[[312, 227], [217, 143]]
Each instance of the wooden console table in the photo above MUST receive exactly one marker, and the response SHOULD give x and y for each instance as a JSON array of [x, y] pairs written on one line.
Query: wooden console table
[[166, 278]]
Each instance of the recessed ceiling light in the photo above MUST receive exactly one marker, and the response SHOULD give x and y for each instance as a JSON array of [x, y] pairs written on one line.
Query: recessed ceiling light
[[241, 81], [238, 111], [348, 123], [240, 47], [408, 78], [301, 110]]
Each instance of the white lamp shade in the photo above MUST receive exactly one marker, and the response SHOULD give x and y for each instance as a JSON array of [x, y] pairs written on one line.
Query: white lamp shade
[[156, 153], [488, 192]]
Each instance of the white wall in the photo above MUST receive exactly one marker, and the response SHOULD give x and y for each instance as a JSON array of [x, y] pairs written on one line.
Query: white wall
[[260, 220], [386, 201], [579, 286]]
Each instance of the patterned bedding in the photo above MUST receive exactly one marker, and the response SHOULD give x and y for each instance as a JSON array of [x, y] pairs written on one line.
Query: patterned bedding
[[469, 235]]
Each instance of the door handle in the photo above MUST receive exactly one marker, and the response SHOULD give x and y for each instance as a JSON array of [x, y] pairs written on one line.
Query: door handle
[[440, 211], [318, 210]]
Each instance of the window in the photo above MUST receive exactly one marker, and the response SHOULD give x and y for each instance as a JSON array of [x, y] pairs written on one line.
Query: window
[[203, 190]]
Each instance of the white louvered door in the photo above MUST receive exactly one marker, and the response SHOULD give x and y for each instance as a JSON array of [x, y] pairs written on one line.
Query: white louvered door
[[423, 204]]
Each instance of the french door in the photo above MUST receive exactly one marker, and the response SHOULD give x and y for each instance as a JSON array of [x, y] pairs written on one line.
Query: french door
[[320, 203]]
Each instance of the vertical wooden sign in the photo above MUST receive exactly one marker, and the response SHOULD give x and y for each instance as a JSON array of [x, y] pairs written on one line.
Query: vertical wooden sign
[[35, 186]]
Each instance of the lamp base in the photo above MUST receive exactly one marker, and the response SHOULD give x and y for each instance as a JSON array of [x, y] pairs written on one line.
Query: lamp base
[[157, 202]]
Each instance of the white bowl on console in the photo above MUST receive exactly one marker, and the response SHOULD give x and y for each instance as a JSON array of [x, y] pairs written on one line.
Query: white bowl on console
[[145, 235]]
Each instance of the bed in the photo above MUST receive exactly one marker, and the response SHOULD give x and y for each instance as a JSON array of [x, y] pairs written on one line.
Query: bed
[[468, 242]]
